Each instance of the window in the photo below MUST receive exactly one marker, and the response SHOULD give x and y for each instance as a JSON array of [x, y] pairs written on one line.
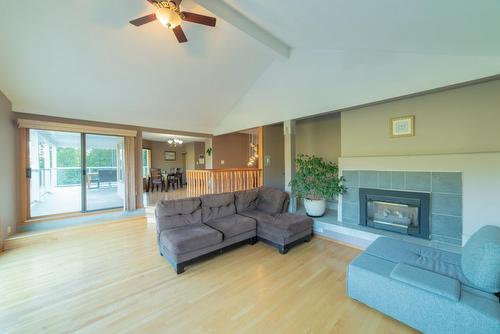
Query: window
[[146, 162]]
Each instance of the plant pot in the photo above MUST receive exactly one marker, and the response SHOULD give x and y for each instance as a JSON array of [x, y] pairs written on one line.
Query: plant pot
[[315, 207]]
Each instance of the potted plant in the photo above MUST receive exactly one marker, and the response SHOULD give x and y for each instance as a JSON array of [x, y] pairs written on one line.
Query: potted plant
[[316, 180]]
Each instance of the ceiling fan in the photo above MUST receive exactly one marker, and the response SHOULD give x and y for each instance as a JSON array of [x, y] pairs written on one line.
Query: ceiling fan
[[170, 16]]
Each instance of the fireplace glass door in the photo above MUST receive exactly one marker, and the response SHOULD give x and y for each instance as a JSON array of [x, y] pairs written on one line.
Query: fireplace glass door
[[393, 216]]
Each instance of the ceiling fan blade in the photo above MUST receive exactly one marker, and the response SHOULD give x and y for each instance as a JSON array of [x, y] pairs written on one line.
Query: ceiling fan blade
[[200, 19], [143, 20], [179, 33]]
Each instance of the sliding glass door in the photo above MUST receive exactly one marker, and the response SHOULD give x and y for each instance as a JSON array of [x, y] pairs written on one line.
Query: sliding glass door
[[56, 172], [64, 180], [104, 172]]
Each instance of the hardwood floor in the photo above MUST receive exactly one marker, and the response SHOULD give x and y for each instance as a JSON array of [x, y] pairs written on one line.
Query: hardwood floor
[[110, 278]]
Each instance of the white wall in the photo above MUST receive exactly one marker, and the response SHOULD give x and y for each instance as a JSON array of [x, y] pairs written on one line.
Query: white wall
[[319, 81]]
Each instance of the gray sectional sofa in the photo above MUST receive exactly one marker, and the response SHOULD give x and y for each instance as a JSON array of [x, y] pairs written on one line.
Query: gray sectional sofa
[[192, 228], [429, 289]]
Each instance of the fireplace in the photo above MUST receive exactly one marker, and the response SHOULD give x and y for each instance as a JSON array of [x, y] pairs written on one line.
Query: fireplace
[[397, 211]]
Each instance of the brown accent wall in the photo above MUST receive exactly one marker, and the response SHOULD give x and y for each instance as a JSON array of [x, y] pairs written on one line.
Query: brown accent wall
[[319, 136], [274, 156], [232, 149], [9, 153]]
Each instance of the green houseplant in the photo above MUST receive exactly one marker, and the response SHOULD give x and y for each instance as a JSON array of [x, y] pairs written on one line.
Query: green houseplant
[[316, 180]]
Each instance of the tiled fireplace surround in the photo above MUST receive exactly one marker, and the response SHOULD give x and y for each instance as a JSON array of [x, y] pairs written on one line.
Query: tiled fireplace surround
[[445, 189]]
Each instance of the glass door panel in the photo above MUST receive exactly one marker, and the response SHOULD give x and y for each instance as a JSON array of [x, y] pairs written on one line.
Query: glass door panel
[[104, 180], [56, 172]]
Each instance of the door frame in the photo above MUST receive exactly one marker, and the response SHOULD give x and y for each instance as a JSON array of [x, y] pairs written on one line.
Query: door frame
[[25, 177]]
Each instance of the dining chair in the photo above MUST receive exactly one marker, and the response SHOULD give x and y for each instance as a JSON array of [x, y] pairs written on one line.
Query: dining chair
[[156, 179]]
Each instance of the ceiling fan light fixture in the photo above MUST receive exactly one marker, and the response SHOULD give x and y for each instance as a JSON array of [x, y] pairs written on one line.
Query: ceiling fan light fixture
[[168, 18]]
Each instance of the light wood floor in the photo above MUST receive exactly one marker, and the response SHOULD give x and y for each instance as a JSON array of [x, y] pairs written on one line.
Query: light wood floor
[[110, 279]]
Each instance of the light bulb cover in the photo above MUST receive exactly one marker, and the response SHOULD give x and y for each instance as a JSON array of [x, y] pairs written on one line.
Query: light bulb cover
[[168, 18]]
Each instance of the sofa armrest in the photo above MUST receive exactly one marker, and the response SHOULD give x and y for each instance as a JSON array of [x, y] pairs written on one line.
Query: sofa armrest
[[435, 283]]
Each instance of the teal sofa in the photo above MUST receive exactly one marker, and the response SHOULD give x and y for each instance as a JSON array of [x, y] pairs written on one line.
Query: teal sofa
[[432, 290]]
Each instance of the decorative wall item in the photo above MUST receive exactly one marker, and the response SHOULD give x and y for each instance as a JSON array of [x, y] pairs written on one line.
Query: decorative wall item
[[253, 144], [402, 126], [170, 155]]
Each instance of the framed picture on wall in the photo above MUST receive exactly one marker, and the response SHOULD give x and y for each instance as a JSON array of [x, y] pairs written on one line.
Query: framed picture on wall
[[170, 155], [402, 126]]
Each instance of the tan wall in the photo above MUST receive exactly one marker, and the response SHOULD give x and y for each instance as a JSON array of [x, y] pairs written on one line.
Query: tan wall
[[456, 130], [190, 156], [157, 156], [319, 136], [232, 149], [193, 150], [199, 150], [462, 120], [274, 148], [9, 195]]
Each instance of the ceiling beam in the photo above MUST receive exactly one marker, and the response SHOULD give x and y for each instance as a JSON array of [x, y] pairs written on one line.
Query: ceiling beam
[[235, 18]]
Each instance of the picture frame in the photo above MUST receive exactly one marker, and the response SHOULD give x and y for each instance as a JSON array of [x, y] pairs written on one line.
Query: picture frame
[[402, 126], [170, 156]]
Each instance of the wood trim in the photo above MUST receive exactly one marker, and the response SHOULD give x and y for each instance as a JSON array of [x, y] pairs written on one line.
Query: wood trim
[[138, 171], [24, 182], [214, 181], [56, 126], [129, 160], [64, 120]]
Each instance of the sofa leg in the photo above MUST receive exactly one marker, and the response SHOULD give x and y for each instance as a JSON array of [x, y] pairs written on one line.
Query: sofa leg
[[179, 268], [283, 249], [308, 238], [253, 241]]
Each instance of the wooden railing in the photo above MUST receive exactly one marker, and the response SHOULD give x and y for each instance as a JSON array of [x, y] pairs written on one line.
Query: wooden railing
[[213, 181]]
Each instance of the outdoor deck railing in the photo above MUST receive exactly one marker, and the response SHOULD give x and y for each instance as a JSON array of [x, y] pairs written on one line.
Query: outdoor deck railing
[[213, 181]]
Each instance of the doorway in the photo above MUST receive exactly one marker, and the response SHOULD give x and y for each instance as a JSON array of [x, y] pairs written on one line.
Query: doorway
[[73, 172]]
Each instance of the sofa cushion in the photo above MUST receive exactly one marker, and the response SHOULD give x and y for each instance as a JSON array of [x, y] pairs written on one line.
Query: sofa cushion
[[246, 199], [217, 206], [233, 225], [433, 259], [281, 225], [481, 259], [189, 238], [175, 213], [438, 284], [271, 200]]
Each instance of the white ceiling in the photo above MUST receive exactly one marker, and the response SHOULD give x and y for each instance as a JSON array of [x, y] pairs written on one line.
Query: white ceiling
[[163, 137], [81, 59]]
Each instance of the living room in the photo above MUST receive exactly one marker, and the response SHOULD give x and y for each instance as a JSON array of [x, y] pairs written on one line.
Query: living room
[[297, 181]]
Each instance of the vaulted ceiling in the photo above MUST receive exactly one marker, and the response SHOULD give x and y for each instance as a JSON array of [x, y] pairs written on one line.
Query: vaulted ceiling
[[82, 59]]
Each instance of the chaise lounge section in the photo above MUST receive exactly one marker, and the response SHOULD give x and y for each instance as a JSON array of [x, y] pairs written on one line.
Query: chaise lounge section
[[432, 290], [192, 228]]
